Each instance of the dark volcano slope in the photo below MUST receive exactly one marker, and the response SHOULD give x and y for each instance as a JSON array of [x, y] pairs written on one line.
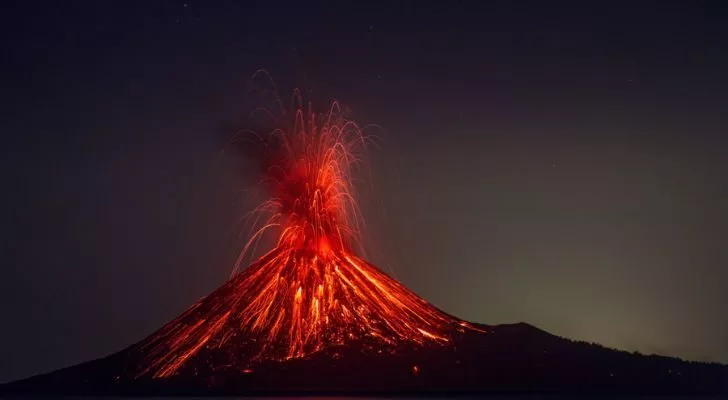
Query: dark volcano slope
[[515, 358]]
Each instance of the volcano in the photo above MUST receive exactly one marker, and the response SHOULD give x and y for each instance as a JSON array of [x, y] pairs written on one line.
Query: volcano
[[273, 311], [311, 292], [311, 316]]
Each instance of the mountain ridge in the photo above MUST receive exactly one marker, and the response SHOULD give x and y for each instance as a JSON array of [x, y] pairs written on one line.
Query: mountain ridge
[[509, 358]]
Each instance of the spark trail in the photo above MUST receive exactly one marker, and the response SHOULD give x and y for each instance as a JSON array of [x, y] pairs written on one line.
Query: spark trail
[[310, 291]]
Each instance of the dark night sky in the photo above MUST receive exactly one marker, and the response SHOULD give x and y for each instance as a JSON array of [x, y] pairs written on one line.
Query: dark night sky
[[565, 166]]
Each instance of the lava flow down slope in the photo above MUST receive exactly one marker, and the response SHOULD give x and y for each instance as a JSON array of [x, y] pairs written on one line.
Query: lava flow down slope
[[310, 292], [312, 316]]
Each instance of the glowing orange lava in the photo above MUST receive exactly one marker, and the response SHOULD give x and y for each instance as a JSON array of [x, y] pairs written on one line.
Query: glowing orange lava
[[311, 291]]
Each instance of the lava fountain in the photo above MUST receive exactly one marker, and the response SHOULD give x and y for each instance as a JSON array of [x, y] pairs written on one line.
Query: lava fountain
[[311, 291]]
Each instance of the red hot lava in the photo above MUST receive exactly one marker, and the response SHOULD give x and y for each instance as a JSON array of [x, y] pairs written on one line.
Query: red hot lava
[[310, 291]]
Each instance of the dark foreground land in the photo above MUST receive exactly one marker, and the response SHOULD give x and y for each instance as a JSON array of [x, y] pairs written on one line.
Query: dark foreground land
[[514, 359]]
